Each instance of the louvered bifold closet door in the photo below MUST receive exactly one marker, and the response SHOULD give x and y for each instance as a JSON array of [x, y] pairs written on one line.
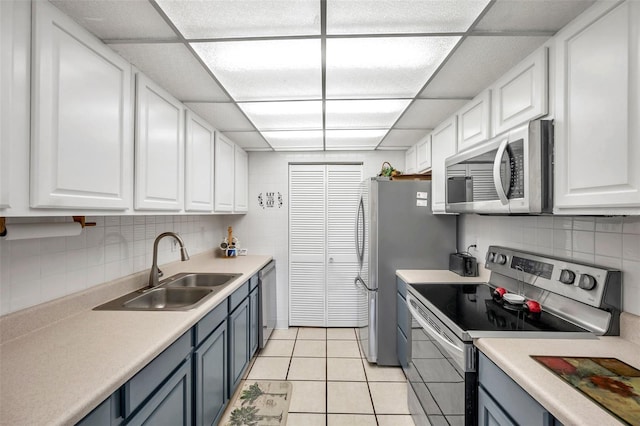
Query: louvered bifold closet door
[[343, 194], [307, 245]]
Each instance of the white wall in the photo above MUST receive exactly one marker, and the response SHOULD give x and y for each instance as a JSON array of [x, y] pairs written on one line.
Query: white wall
[[38, 270], [266, 231], [606, 241]]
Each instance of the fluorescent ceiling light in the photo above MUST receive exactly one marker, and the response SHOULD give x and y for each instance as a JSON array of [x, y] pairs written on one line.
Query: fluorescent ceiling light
[[401, 16], [266, 69], [362, 114], [296, 115], [353, 139], [394, 67], [243, 18], [309, 140]]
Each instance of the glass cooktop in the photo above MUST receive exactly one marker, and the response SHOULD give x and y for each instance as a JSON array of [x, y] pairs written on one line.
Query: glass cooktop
[[472, 308]]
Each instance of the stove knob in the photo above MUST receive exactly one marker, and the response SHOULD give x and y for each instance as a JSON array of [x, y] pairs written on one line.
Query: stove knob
[[567, 276], [490, 256], [587, 282], [500, 259]]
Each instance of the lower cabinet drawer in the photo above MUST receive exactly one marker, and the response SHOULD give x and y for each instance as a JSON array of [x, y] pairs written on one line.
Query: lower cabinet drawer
[[143, 384]]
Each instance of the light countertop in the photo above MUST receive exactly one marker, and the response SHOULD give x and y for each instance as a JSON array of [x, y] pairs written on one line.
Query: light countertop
[[58, 372], [513, 356]]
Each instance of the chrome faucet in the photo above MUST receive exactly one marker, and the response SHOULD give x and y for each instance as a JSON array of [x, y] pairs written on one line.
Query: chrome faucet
[[156, 273]]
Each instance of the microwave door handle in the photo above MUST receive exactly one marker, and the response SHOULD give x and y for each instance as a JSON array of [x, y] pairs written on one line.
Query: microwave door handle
[[425, 325], [497, 180]]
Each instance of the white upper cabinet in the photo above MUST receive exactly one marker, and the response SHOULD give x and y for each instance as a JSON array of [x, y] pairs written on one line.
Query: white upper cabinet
[[241, 181], [199, 147], [443, 145], [474, 121], [81, 140], [410, 160], [159, 169], [521, 94], [224, 174], [423, 154], [597, 121], [15, 48]]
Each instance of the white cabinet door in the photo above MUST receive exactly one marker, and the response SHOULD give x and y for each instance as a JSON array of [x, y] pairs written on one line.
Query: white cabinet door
[[15, 49], [81, 146], [159, 144], [474, 121], [423, 154], [241, 181], [410, 161], [199, 147], [521, 94], [224, 174], [443, 145], [597, 127]]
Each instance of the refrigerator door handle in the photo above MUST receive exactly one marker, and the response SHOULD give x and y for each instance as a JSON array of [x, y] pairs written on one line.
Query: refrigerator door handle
[[359, 252], [359, 282]]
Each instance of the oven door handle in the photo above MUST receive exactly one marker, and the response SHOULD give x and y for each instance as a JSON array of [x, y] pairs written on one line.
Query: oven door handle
[[497, 180], [425, 325]]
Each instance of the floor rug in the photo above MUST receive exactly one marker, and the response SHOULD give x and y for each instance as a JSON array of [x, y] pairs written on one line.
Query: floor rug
[[260, 403]]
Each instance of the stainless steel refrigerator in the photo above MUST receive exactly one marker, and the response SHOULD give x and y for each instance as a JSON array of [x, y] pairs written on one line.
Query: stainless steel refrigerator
[[395, 229]]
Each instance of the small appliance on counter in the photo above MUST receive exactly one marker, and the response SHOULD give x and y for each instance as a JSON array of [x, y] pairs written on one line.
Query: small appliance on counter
[[229, 245], [463, 264]]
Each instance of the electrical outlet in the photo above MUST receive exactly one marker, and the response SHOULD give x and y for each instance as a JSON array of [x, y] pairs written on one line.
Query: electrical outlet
[[242, 252]]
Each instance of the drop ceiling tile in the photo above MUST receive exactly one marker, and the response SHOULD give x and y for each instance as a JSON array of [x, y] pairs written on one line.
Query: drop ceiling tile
[[243, 18], [117, 19], [363, 114], [295, 140], [401, 16], [428, 113], [539, 15], [297, 115], [477, 63], [353, 139], [250, 141], [266, 69], [173, 67], [403, 138], [383, 67], [225, 117]]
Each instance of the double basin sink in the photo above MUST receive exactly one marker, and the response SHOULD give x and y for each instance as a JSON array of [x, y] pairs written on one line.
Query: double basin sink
[[180, 292]]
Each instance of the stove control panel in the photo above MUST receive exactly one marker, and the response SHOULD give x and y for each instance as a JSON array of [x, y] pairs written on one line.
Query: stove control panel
[[590, 284]]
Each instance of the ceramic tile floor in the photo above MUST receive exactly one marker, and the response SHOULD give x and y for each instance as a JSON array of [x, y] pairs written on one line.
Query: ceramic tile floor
[[332, 384]]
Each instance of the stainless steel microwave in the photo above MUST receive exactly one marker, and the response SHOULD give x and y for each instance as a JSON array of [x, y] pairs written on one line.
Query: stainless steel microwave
[[509, 174]]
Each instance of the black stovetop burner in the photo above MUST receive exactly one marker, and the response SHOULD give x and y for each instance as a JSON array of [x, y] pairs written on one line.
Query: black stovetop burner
[[473, 307]]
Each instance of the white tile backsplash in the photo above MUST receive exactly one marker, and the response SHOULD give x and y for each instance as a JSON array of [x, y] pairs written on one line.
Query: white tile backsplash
[[38, 270], [612, 242]]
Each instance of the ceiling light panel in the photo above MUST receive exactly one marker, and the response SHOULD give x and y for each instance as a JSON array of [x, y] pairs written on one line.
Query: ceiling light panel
[[428, 113], [383, 67], [266, 69], [296, 115], [243, 18], [117, 19], [295, 140], [223, 116], [162, 62], [353, 139], [401, 16], [363, 114]]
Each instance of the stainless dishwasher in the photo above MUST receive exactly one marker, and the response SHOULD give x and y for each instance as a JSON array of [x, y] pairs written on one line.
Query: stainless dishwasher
[[267, 277]]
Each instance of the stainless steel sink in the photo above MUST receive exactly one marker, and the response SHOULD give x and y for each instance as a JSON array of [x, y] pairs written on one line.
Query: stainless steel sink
[[199, 280], [180, 292]]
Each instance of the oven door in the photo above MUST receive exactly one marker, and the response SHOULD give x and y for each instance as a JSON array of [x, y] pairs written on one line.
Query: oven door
[[441, 371]]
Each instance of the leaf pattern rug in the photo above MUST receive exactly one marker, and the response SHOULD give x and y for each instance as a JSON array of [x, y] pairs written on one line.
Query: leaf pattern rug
[[260, 403]]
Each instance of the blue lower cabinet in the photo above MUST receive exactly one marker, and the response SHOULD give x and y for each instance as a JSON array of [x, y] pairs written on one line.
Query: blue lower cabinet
[[108, 413], [238, 343], [171, 405], [211, 377], [254, 330]]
